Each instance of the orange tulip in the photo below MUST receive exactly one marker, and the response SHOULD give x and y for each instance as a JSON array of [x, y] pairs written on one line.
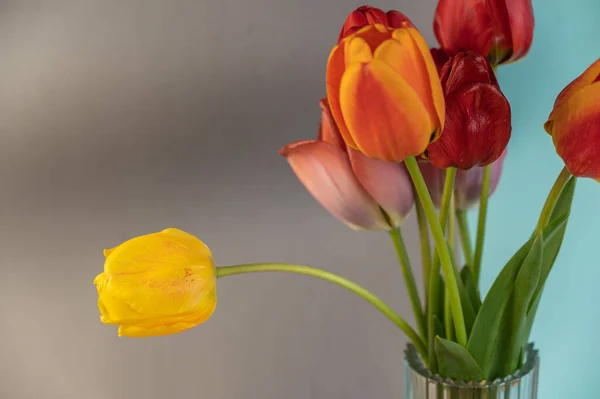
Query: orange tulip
[[574, 124], [385, 93]]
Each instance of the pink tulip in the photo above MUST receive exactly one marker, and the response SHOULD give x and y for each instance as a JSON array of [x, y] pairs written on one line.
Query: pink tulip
[[467, 184], [362, 192]]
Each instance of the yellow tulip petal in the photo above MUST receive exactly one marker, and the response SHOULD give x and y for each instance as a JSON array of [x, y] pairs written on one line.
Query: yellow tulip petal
[[357, 50], [155, 251], [158, 293], [167, 327], [383, 112]]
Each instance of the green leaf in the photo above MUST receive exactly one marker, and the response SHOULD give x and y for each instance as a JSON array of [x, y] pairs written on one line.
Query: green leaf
[[487, 324], [466, 276], [439, 327], [525, 286], [482, 341], [456, 362], [553, 244]]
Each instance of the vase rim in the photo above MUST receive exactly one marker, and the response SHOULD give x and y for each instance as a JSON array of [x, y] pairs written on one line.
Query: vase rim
[[415, 362]]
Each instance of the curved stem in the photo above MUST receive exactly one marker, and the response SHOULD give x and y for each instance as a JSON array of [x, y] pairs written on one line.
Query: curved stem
[[483, 203], [465, 237], [442, 249], [409, 279], [559, 184], [336, 279], [425, 246]]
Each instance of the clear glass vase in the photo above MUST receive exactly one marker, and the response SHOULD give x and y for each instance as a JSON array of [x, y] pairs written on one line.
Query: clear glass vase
[[422, 384]]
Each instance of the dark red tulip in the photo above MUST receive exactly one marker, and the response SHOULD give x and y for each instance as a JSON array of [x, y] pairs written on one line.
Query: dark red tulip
[[367, 15], [478, 126], [501, 30]]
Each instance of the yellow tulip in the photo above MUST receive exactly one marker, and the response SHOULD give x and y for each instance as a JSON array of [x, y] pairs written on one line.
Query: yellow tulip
[[157, 284]]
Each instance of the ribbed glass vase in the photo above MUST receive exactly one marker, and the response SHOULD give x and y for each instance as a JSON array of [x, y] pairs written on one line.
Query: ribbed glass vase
[[422, 384]]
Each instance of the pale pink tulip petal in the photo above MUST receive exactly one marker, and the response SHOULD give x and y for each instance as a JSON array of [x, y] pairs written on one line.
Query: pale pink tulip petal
[[325, 171], [387, 182]]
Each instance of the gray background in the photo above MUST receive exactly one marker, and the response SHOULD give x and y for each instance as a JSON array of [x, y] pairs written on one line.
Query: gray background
[[120, 118]]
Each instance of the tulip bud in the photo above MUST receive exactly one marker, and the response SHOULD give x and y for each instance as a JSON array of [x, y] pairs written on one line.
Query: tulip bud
[[362, 192], [467, 183], [157, 284], [478, 125], [501, 30], [385, 93], [574, 124], [367, 15]]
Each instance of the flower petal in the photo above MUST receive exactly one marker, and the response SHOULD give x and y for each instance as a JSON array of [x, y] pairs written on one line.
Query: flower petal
[[521, 22], [589, 76], [158, 293], [157, 250], [169, 326], [326, 173], [387, 182], [478, 128], [463, 25], [328, 130], [383, 113], [576, 131], [336, 66]]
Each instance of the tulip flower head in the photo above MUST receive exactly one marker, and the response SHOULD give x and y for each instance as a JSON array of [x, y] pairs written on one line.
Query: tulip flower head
[[574, 124], [157, 284], [501, 30], [385, 93], [362, 192], [367, 15], [467, 183], [478, 118]]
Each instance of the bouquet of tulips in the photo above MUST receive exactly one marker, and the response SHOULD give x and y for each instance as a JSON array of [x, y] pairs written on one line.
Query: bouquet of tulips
[[403, 126]]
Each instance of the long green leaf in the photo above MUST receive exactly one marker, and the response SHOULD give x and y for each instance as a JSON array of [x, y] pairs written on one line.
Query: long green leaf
[[553, 244], [552, 247], [485, 330], [466, 276], [482, 341], [524, 288], [456, 362]]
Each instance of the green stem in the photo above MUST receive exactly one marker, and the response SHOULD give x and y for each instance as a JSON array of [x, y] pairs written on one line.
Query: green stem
[[442, 250], [435, 266], [465, 237], [483, 203], [448, 316], [409, 279], [452, 229], [425, 247], [559, 184], [452, 244], [336, 279], [447, 197]]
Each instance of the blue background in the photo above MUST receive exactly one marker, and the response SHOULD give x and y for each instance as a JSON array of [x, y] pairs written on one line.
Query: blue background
[[565, 44]]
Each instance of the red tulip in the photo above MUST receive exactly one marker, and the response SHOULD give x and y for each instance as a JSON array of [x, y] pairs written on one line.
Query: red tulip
[[385, 92], [362, 192], [367, 15], [467, 184], [477, 127], [501, 30], [574, 124]]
